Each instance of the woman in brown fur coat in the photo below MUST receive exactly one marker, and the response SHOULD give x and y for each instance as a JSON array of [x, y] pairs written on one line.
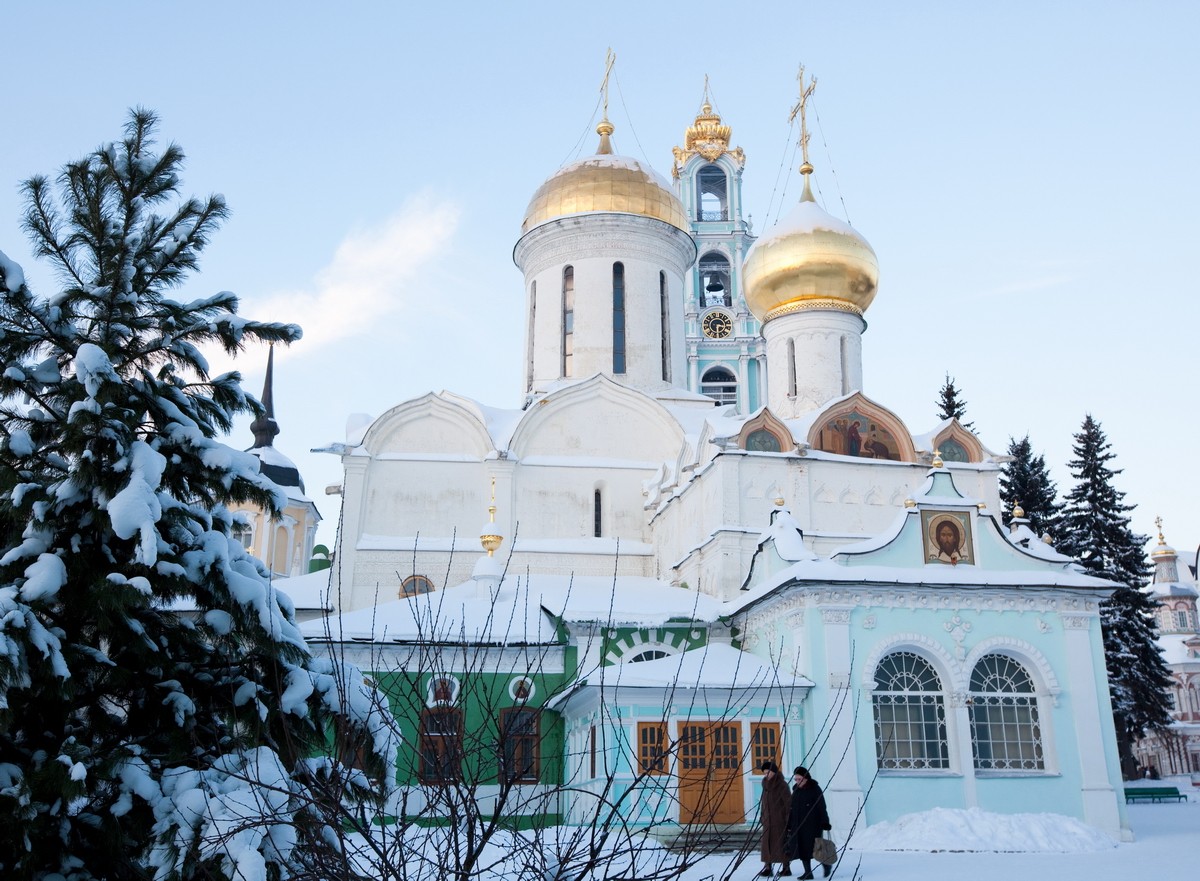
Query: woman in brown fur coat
[[776, 800]]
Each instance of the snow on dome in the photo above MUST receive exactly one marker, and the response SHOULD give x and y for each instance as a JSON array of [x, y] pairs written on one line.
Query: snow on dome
[[810, 259], [278, 467], [605, 183]]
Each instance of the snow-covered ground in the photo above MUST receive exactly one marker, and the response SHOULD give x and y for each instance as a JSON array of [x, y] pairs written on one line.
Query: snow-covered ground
[[980, 846]]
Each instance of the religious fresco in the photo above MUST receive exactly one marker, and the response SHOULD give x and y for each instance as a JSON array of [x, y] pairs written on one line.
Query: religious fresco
[[953, 451], [762, 441], [946, 538], [853, 434]]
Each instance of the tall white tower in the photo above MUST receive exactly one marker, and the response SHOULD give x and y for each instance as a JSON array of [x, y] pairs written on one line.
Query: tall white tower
[[809, 281], [604, 251]]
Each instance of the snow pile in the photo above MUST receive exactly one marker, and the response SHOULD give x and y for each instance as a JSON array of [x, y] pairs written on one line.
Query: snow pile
[[974, 830]]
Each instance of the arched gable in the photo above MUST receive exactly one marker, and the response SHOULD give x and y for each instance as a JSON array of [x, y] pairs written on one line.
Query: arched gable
[[429, 424], [856, 426], [919, 643], [598, 418], [956, 444], [1021, 651], [767, 433]]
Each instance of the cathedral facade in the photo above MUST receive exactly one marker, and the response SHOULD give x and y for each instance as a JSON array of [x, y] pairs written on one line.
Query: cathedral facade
[[706, 546]]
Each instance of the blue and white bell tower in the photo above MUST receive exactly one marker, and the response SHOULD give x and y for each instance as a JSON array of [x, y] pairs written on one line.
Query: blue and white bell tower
[[725, 350]]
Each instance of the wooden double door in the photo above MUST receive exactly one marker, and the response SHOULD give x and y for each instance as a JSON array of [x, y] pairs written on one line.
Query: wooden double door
[[711, 789]]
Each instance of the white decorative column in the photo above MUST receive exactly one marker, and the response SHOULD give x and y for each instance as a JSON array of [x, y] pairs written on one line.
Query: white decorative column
[[1092, 718], [827, 344], [843, 791]]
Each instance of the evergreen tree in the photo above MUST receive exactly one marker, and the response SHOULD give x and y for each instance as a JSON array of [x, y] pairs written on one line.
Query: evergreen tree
[[1096, 531], [950, 404], [160, 714], [1025, 481]]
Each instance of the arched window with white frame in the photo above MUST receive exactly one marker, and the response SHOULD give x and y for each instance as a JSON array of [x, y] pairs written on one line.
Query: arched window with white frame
[[910, 715], [719, 384], [1006, 734]]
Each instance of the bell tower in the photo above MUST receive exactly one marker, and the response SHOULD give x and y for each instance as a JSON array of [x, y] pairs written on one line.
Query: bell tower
[[725, 353]]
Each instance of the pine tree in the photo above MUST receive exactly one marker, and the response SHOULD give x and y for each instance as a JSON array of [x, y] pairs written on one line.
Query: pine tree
[[950, 404], [1025, 482], [160, 714], [1096, 531]]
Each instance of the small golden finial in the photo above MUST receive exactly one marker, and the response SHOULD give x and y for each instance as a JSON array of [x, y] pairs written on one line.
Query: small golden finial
[[800, 109], [910, 503], [937, 459], [779, 501], [491, 538], [1158, 523], [1018, 512]]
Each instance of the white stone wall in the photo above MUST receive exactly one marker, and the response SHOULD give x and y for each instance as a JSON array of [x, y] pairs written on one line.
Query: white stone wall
[[591, 244], [828, 352]]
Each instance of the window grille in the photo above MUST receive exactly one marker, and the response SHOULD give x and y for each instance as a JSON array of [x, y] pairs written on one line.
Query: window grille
[[764, 744], [652, 748], [1005, 732], [519, 735], [910, 715], [441, 745]]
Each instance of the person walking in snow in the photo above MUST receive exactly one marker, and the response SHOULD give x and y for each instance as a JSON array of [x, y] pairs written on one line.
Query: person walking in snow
[[807, 819], [774, 815]]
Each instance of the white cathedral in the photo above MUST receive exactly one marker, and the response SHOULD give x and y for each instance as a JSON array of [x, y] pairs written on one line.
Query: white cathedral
[[718, 549]]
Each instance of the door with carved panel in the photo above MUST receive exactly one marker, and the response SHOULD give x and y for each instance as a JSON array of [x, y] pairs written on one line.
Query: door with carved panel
[[710, 773]]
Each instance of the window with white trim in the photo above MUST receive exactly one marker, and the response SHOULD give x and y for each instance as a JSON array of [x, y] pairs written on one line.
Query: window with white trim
[[1005, 732], [910, 715]]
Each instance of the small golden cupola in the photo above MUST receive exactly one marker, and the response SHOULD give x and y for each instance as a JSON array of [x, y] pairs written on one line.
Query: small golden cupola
[[605, 183], [810, 259]]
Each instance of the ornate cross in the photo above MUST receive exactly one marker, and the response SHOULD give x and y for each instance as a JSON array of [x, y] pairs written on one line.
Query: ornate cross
[[799, 110]]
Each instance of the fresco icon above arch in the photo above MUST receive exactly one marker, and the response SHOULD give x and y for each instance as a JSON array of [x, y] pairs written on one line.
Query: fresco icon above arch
[[855, 434]]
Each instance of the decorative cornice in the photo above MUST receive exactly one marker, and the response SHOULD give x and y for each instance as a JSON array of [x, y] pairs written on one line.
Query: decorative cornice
[[811, 303]]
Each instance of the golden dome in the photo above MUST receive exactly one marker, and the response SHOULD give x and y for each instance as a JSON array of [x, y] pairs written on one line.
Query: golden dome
[[810, 260], [605, 183]]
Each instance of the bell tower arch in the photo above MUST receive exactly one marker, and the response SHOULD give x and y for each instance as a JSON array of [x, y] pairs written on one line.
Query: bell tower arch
[[720, 331]]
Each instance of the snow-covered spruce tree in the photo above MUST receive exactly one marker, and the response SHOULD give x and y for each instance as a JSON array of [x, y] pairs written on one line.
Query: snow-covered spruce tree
[[950, 404], [1025, 482], [160, 714], [1095, 529]]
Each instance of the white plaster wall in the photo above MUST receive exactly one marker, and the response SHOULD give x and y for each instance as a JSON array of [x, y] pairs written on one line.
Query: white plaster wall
[[822, 373], [591, 243]]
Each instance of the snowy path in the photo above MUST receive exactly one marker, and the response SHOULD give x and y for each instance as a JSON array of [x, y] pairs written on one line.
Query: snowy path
[[1166, 849]]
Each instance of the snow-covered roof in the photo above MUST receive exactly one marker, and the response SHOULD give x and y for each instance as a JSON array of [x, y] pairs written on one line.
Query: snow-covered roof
[[1175, 647], [523, 610], [715, 665], [788, 537], [827, 571], [1027, 540], [309, 591]]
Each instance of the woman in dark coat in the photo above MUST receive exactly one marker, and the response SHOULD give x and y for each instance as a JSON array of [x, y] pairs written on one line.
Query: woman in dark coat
[[807, 819], [774, 820]]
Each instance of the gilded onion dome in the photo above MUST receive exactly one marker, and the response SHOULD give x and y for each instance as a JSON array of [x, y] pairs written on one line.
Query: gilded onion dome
[[605, 183], [809, 260]]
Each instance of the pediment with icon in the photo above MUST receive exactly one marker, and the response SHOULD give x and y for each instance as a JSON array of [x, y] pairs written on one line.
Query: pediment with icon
[[860, 428]]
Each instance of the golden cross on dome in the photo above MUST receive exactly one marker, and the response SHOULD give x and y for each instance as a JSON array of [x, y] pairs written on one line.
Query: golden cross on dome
[[800, 110], [610, 58], [1158, 523]]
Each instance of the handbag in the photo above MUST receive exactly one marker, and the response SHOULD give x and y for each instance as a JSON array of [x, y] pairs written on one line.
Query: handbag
[[824, 851]]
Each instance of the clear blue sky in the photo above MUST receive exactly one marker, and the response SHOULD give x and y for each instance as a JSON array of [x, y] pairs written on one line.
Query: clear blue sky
[[1026, 173]]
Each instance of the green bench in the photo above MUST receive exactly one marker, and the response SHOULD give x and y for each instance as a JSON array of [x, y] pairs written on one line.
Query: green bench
[[1154, 794]]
